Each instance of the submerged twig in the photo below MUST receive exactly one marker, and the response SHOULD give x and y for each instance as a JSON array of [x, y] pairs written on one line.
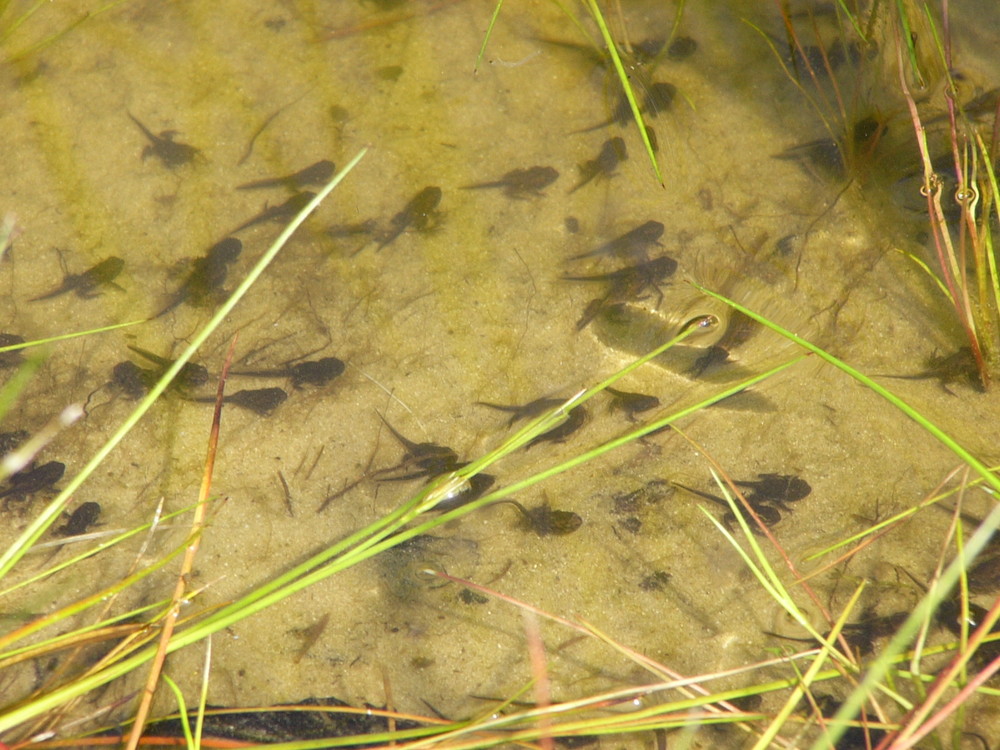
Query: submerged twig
[[187, 564]]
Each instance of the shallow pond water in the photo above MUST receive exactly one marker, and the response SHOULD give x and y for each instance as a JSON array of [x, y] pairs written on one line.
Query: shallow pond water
[[435, 307]]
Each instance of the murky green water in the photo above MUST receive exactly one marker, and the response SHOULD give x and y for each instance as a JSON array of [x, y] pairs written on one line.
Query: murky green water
[[476, 309]]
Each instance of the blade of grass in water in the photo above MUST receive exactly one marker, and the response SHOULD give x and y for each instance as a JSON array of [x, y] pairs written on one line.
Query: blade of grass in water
[[74, 335], [854, 21], [992, 211], [88, 553], [486, 37], [6, 32], [626, 86], [14, 386], [7, 29], [911, 49]]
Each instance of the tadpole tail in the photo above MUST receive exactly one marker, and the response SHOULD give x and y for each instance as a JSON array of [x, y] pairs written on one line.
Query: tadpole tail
[[498, 407], [50, 295], [174, 303], [701, 493]]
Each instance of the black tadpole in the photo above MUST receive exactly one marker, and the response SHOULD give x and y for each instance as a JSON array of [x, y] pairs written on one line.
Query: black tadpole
[[419, 213], [612, 153], [520, 183], [85, 284], [315, 174], [207, 275], [281, 212], [632, 244], [531, 409], [545, 521], [261, 401], [29, 481], [558, 434], [311, 372], [631, 403], [419, 459], [163, 146], [191, 375]]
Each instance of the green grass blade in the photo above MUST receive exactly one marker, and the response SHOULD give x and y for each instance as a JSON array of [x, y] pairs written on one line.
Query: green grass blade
[[75, 334], [927, 269], [911, 48], [980, 468], [574, 19], [626, 86], [182, 709], [16, 23], [987, 220], [876, 527], [486, 37], [52, 38], [854, 21], [203, 696], [13, 387]]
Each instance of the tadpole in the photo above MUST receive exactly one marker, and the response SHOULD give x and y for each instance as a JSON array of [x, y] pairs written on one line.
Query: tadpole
[[419, 459], [631, 403], [261, 401], [316, 372], [545, 521], [31, 480], [526, 411], [958, 367], [558, 434]]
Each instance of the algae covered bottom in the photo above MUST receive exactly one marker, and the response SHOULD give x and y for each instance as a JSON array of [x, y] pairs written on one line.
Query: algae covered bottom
[[503, 244]]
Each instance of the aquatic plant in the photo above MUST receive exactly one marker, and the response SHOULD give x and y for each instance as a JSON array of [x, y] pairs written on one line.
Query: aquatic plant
[[956, 167], [963, 233]]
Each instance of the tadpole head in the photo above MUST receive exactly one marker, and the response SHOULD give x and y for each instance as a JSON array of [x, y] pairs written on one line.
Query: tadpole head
[[662, 267], [192, 376], [260, 401], [547, 522], [320, 372], [226, 251], [651, 231], [659, 97], [131, 379]]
